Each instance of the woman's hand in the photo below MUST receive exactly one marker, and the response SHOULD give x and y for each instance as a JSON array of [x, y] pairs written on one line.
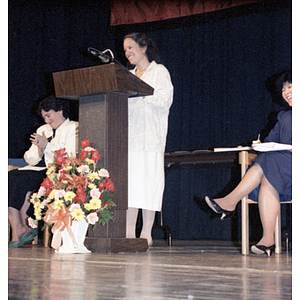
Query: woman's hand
[[40, 141]]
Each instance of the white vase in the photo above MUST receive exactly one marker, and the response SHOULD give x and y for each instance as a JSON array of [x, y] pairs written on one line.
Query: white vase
[[79, 229]]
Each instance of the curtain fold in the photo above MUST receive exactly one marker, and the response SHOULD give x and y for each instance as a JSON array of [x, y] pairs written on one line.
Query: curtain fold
[[142, 11]]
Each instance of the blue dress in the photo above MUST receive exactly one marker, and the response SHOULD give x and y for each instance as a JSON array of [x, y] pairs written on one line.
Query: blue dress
[[277, 165]]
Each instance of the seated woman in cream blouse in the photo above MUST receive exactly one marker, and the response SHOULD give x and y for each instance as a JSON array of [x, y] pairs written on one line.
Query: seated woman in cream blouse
[[58, 132]]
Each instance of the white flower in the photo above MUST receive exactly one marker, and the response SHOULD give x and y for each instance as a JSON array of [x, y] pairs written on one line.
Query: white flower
[[89, 149], [83, 169], [103, 173]]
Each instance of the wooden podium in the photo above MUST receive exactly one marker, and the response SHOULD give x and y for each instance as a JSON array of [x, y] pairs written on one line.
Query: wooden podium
[[102, 92]]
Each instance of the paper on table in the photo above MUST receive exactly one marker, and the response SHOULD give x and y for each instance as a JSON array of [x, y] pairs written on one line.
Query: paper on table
[[264, 147], [240, 148], [32, 168]]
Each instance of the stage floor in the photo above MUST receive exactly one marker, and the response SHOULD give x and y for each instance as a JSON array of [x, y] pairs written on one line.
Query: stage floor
[[187, 270]]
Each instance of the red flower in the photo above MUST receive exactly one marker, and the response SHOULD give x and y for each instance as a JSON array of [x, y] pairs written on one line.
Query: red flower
[[61, 156], [85, 143], [83, 154], [110, 185], [95, 155], [101, 185], [47, 184], [62, 174], [81, 196]]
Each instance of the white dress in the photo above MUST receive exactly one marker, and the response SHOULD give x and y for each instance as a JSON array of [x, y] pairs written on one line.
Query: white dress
[[148, 126]]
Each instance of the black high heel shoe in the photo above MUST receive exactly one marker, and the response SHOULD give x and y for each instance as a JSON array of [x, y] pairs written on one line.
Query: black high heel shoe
[[226, 214], [261, 249]]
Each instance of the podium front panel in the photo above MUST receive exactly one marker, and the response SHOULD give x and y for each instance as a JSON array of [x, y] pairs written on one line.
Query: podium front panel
[[103, 120]]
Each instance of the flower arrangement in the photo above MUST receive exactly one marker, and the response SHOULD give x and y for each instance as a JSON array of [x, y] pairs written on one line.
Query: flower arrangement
[[76, 186]]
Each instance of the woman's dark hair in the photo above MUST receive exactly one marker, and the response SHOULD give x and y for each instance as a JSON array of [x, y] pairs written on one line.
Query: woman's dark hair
[[275, 84], [56, 104], [283, 78], [143, 41]]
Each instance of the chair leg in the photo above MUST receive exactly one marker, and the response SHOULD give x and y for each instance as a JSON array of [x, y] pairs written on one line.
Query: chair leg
[[278, 233], [9, 232], [245, 227]]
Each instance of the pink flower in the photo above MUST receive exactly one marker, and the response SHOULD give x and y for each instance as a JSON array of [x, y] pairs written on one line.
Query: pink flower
[[92, 218], [74, 206], [41, 192], [46, 201], [95, 193], [31, 223], [59, 194], [103, 173]]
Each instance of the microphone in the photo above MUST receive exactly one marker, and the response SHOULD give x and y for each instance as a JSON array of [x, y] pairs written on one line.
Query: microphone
[[106, 58], [101, 54]]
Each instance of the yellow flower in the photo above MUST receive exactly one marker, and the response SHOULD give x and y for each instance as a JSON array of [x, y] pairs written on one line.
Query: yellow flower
[[92, 185], [89, 161], [69, 196], [37, 205], [87, 206], [50, 173], [51, 176], [57, 204], [77, 214], [68, 168], [33, 198], [51, 195], [38, 215], [50, 170], [37, 210], [95, 203], [93, 175]]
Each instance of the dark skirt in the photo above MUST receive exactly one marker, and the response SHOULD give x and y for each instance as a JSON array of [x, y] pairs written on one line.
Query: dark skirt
[[277, 167], [21, 182]]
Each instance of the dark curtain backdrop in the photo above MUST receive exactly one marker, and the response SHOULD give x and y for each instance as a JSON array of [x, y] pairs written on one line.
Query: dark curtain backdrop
[[219, 63]]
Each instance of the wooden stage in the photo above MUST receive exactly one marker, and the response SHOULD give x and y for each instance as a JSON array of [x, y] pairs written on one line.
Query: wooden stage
[[187, 270]]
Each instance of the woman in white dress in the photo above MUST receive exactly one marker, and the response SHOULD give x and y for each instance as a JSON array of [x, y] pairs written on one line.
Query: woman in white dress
[[148, 126]]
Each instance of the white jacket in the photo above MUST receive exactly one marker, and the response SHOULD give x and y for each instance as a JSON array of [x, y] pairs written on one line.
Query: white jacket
[[148, 116], [66, 136]]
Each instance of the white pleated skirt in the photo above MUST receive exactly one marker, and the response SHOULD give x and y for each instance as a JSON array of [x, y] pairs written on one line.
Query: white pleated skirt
[[146, 179]]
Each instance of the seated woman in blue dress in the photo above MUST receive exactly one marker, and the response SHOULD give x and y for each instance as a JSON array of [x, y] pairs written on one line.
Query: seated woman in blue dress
[[58, 132], [269, 177]]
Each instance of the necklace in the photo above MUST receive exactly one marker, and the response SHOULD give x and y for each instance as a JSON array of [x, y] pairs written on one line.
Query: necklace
[[142, 70], [139, 71]]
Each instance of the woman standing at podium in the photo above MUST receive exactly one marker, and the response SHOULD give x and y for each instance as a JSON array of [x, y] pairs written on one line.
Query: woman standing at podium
[[148, 125]]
